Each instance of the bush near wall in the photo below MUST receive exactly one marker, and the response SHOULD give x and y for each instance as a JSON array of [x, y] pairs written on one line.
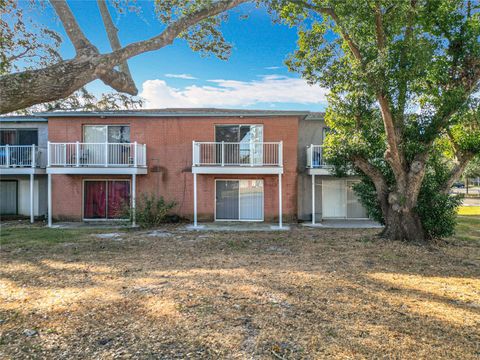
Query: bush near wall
[[151, 211]]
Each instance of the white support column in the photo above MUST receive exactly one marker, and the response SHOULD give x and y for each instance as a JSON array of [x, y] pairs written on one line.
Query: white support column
[[134, 198], [31, 198], [195, 200], [49, 195], [280, 222], [313, 199]]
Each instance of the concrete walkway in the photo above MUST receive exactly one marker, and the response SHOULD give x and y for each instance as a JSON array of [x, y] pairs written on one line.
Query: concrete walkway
[[237, 226], [345, 224]]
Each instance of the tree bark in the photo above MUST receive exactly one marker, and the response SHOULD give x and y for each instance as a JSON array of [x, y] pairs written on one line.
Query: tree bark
[[403, 225]]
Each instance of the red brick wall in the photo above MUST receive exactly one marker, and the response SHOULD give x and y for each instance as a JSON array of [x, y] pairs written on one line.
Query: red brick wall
[[169, 149]]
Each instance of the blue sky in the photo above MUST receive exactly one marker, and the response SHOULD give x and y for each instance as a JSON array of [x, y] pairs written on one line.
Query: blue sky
[[253, 77]]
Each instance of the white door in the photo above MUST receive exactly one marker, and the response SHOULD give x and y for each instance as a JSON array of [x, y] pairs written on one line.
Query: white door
[[239, 200], [334, 199], [8, 197]]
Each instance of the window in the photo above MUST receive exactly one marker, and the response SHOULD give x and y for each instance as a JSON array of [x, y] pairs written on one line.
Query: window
[[104, 199], [325, 132], [19, 137], [243, 140], [106, 133], [239, 133]]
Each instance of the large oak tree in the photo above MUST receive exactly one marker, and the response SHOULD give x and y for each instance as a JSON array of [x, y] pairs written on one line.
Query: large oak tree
[[45, 77], [404, 80]]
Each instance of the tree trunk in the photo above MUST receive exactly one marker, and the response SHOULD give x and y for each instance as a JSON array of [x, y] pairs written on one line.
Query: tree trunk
[[404, 225]]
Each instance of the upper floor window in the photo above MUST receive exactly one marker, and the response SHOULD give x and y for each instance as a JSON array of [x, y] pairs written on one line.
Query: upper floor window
[[106, 133], [19, 137], [239, 133], [326, 130]]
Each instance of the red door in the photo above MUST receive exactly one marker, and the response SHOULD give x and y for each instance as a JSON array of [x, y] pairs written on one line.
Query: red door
[[105, 199]]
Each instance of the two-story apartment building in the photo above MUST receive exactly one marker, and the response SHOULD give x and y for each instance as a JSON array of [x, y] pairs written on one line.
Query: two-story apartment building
[[23, 159], [223, 165], [216, 164]]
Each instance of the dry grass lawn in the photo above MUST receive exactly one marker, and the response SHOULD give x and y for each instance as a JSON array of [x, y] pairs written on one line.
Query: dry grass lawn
[[302, 294]]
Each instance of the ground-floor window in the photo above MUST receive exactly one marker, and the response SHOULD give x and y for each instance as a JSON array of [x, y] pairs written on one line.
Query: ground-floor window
[[8, 197], [239, 200], [340, 201], [105, 199]]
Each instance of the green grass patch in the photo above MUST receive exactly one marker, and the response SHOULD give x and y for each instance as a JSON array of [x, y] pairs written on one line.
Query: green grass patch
[[37, 237], [468, 228]]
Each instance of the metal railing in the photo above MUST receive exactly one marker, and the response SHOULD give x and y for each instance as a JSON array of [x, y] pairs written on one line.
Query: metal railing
[[12, 156], [237, 154], [79, 154], [315, 157]]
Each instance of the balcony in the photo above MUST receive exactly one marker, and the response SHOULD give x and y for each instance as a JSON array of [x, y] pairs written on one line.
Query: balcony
[[22, 159], [97, 158], [316, 165], [237, 158]]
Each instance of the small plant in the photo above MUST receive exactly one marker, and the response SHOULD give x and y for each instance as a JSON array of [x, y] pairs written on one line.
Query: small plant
[[151, 210]]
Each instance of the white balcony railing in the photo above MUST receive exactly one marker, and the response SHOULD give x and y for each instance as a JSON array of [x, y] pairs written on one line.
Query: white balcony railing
[[237, 154], [315, 157], [79, 154], [12, 156]]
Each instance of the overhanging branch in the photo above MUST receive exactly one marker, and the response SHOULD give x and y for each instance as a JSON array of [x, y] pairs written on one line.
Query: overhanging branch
[[120, 81]]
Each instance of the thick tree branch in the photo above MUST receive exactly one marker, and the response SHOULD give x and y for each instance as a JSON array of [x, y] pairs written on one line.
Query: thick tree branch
[[377, 178], [462, 161], [403, 80], [119, 81], [62, 79], [379, 27], [75, 34], [393, 155]]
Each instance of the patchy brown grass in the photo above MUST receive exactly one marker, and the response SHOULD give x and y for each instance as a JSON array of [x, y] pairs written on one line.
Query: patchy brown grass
[[303, 294]]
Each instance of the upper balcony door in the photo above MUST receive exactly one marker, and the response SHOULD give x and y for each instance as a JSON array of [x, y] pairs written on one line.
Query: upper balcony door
[[19, 137], [243, 143], [96, 137], [19, 149]]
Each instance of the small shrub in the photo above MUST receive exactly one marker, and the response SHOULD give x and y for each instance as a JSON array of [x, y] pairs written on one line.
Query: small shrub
[[151, 210]]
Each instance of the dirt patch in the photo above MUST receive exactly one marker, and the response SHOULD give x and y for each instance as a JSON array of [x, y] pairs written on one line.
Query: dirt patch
[[301, 294]]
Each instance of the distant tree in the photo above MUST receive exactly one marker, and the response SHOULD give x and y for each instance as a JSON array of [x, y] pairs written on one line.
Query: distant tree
[[402, 76], [33, 72], [473, 169]]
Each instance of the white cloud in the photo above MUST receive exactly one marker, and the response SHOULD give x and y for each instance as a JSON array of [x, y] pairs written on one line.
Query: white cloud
[[272, 67], [181, 76], [269, 89]]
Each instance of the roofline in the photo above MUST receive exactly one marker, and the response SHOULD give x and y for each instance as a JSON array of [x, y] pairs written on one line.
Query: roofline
[[170, 114], [13, 119]]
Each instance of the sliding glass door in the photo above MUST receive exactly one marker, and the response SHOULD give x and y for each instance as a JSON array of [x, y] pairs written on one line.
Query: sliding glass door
[[339, 201], [105, 199], [247, 147], [239, 200]]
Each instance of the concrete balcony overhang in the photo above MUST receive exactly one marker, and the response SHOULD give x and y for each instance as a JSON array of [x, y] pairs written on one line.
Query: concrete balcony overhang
[[21, 170], [326, 170], [98, 170], [238, 170]]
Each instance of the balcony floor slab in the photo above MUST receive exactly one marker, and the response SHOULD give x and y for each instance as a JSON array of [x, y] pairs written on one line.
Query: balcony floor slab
[[21, 171], [97, 170], [237, 170]]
